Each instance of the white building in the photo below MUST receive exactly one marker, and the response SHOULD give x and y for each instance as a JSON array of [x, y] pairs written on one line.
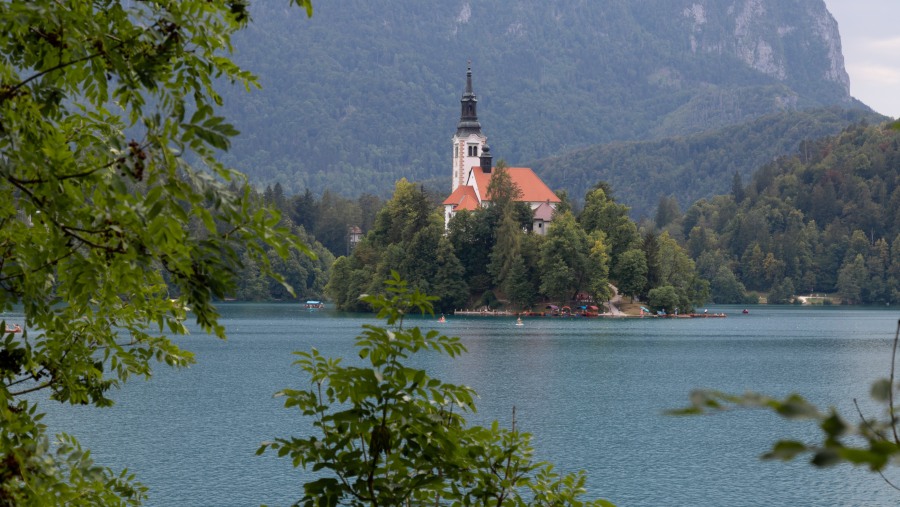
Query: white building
[[472, 170]]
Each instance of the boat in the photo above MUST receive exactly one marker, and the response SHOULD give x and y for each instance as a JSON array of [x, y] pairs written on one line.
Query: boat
[[746, 311], [15, 329], [314, 305], [519, 322], [442, 319], [589, 311]]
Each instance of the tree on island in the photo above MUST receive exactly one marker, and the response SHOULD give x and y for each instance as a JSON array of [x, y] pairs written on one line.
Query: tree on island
[[565, 259], [631, 272], [407, 236], [109, 181]]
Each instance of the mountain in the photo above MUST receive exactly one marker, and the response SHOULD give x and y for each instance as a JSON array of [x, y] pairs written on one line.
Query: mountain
[[366, 92], [692, 167], [823, 220]]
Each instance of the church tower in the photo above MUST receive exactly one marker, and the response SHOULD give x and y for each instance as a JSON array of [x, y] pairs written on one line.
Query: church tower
[[469, 142]]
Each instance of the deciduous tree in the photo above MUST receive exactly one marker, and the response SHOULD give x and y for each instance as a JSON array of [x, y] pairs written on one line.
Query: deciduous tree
[[108, 179], [851, 279], [630, 272], [564, 259], [386, 433], [601, 212]]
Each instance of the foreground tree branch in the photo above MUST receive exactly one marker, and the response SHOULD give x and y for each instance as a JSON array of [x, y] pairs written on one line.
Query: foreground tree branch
[[387, 433], [90, 221], [872, 442]]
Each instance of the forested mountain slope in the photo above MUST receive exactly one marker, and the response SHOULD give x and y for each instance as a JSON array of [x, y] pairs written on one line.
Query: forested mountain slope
[[367, 92], [692, 167], [823, 220]]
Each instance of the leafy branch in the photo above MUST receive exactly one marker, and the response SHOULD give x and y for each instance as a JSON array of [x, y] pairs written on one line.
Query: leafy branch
[[872, 443], [389, 434]]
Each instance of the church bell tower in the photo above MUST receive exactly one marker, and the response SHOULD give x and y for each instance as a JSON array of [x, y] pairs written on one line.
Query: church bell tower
[[468, 142]]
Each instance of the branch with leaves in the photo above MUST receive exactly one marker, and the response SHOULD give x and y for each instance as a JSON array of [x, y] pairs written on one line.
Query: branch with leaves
[[388, 434], [109, 179], [869, 442]]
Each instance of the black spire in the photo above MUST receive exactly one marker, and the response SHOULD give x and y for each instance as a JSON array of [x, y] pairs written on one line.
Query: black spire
[[486, 159], [468, 118]]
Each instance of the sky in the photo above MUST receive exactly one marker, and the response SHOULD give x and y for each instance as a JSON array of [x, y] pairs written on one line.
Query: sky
[[870, 37]]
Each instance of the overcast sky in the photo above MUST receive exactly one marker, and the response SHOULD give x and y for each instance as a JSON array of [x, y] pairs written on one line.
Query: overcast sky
[[870, 36]]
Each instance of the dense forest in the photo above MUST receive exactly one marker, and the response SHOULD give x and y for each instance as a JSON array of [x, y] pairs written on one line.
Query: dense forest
[[667, 102], [491, 258], [822, 220], [306, 219], [698, 166], [365, 93]]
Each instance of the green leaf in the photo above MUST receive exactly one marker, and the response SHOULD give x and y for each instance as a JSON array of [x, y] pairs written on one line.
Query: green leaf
[[881, 390], [786, 450], [875, 460], [826, 458]]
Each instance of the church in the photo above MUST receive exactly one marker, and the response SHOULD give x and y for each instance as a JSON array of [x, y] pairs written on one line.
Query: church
[[472, 171]]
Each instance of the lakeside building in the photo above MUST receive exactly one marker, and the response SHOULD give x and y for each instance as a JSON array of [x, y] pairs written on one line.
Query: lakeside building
[[473, 170]]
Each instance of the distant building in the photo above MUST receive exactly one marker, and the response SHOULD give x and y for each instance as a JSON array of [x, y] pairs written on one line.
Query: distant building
[[543, 214], [473, 169], [354, 236]]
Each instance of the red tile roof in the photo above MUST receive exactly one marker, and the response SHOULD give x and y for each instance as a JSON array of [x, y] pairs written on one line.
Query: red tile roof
[[463, 198], [532, 187]]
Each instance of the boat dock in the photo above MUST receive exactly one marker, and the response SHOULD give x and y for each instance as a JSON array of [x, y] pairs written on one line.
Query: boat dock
[[486, 313]]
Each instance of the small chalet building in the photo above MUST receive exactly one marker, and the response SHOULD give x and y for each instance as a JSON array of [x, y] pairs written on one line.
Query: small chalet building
[[472, 171]]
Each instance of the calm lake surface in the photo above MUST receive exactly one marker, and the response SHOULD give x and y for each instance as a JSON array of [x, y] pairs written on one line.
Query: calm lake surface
[[591, 391]]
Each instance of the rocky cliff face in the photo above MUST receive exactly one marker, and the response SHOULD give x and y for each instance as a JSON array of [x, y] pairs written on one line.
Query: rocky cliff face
[[764, 35], [368, 91]]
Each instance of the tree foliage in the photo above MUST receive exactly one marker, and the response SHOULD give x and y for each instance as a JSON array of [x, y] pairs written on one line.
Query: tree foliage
[[387, 433], [565, 263], [825, 218], [110, 187], [631, 272], [496, 259], [407, 235]]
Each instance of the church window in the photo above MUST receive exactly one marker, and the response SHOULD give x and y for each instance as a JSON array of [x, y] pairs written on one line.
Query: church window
[[473, 150]]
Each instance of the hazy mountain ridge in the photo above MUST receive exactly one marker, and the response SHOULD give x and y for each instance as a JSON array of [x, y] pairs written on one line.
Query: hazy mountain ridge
[[367, 92], [696, 166]]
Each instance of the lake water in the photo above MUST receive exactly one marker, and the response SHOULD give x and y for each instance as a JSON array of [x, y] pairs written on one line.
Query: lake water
[[591, 391]]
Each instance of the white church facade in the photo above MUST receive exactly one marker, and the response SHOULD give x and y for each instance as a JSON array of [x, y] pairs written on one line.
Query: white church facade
[[472, 170]]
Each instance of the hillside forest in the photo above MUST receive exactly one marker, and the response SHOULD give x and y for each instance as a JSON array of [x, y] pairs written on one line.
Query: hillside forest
[[696, 166], [366, 93], [821, 220], [824, 219]]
